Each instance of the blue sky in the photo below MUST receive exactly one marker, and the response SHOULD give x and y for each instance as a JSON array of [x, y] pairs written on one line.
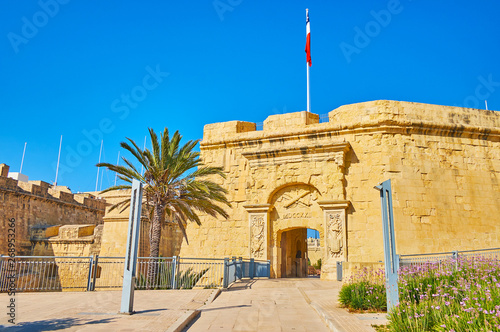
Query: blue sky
[[110, 69]]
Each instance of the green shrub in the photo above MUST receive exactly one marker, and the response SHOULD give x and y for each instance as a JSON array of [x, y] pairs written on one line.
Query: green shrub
[[363, 295], [317, 266], [364, 291]]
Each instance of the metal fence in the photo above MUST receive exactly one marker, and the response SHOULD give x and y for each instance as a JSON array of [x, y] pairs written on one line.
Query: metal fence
[[41, 274], [236, 269], [447, 257], [45, 273]]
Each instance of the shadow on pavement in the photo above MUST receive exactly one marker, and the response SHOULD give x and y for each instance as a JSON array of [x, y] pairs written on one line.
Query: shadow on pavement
[[52, 324], [228, 307], [241, 284]]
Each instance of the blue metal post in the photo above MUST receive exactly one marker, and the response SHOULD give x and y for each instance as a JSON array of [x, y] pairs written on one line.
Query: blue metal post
[[251, 273], [225, 282], [391, 259], [89, 278], [174, 272], [127, 304], [240, 271]]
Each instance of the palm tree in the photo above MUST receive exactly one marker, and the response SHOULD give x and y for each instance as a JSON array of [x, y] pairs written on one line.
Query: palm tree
[[177, 186]]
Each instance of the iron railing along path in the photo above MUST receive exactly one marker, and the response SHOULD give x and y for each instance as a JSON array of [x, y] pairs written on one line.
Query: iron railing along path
[[47, 273], [445, 257], [42, 273], [236, 269]]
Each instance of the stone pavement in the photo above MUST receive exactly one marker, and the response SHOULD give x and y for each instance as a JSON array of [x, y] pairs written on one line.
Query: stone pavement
[[98, 311], [302, 304]]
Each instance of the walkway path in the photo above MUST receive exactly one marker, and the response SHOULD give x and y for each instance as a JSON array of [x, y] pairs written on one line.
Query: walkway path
[[98, 311], [306, 304]]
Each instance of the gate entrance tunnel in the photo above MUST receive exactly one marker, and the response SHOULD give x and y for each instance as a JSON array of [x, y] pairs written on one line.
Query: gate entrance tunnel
[[294, 253]]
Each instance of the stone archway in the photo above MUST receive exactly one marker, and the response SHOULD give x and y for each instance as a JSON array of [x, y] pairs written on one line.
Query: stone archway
[[297, 206], [293, 209]]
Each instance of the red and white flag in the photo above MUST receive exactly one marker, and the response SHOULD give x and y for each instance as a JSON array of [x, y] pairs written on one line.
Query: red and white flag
[[308, 39]]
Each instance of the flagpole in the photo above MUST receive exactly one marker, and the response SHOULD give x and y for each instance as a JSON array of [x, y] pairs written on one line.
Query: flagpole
[[58, 159], [308, 96], [24, 151], [308, 63], [142, 166], [98, 169], [117, 162]]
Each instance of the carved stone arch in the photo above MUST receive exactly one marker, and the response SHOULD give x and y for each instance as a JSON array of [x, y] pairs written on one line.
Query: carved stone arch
[[270, 193]]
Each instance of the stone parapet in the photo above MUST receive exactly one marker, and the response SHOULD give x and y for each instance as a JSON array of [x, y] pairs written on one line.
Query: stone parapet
[[217, 130], [379, 115], [44, 190]]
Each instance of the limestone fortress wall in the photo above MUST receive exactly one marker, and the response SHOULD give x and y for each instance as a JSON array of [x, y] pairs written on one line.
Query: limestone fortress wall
[[297, 173], [36, 206]]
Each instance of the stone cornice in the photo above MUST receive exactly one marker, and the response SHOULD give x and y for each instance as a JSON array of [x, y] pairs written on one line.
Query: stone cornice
[[334, 205], [328, 130], [298, 153], [257, 208]]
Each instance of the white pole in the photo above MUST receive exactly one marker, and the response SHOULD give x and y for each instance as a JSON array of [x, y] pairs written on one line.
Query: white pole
[[22, 160], [308, 97], [102, 175], [308, 32], [58, 159], [144, 148], [486, 103], [98, 168], [117, 162]]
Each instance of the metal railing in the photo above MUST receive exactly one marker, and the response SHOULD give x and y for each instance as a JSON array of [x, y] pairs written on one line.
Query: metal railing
[[46, 273], [42, 274], [445, 257], [236, 269]]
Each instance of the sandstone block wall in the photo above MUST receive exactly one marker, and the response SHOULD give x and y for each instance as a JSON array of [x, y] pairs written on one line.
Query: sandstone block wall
[[115, 229], [444, 164], [38, 203]]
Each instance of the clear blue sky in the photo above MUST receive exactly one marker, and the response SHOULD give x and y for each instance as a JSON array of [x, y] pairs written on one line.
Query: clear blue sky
[[115, 68]]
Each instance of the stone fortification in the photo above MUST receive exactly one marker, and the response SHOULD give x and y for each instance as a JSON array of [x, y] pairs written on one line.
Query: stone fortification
[[114, 239], [444, 164], [37, 204]]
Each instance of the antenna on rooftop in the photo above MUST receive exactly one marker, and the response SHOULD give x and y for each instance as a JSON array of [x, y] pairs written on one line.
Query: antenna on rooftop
[[22, 160], [98, 168], [486, 104], [58, 159]]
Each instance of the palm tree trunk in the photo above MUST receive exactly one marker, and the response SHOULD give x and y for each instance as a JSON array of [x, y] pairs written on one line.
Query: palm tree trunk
[[154, 245]]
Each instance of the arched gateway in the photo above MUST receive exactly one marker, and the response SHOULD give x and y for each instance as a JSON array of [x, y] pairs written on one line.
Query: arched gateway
[[278, 229]]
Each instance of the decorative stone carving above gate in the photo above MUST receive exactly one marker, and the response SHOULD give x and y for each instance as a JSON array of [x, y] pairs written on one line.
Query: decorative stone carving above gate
[[258, 230]]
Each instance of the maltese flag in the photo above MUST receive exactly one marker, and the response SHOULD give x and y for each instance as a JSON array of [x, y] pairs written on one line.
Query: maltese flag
[[308, 39]]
